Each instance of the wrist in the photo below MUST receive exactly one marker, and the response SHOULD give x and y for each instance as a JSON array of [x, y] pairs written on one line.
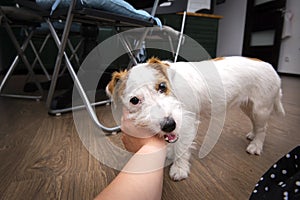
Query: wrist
[[151, 148], [155, 144], [150, 157]]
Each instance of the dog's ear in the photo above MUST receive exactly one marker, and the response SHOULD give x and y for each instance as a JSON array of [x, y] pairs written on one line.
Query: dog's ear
[[116, 77], [155, 60]]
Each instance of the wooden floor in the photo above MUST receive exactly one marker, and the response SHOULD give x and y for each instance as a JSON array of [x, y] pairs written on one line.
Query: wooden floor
[[42, 157]]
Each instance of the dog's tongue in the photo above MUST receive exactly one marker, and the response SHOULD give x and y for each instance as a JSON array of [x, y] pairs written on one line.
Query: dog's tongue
[[170, 137]]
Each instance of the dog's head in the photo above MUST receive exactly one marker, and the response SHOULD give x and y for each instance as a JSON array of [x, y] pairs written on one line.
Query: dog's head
[[146, 92]]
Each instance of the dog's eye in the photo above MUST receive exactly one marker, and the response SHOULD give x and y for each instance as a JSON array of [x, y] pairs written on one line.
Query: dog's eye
[[134, 100], [162, 87]]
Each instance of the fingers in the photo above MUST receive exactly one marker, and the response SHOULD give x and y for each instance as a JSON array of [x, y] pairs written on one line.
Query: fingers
[[129, 127], [134, 136], [132, 144]]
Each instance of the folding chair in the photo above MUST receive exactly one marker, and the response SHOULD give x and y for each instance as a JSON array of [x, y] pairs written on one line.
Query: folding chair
[[76, 13], [11, 17]]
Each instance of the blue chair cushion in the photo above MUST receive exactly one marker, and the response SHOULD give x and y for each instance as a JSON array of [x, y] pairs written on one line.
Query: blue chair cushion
[[115, 6]]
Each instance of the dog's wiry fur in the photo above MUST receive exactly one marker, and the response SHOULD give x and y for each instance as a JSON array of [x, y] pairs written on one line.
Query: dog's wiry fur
[[170, 96]]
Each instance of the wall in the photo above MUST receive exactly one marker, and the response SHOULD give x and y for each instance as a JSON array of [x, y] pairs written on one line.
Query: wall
[[231, 27], [231, 34], [289, 60]]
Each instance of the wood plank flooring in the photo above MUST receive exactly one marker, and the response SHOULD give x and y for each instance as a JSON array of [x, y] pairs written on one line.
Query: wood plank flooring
[[42, 157]]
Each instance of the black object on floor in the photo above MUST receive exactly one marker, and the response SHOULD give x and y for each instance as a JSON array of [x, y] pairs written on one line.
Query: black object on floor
[[64, 101], [282, 180], [63, 82]]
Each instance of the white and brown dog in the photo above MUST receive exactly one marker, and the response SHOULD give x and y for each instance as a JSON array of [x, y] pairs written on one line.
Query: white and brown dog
[[168, 98]]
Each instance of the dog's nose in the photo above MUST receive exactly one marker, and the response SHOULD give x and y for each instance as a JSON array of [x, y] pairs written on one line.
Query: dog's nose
[[168, 124]]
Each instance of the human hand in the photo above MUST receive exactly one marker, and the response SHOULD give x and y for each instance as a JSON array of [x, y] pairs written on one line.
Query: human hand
[[134, 138], [134, 144]]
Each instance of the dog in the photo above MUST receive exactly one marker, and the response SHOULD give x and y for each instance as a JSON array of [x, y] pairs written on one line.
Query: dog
[[169, 98]]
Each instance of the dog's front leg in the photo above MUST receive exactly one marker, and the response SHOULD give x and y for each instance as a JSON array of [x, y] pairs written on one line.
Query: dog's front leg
[[181, 150], [180, 154], [180, 168]]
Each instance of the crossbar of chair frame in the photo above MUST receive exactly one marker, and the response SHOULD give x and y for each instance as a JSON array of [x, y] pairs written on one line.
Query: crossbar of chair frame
[[20, 55], [73, 50], [37, 55], [73, 54]]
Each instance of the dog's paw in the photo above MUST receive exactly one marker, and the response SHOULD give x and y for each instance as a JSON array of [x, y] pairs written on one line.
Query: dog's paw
[[178, 173], [254, 148], [250, 136]]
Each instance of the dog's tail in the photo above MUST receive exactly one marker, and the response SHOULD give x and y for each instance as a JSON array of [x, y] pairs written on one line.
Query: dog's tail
[[278, 105]]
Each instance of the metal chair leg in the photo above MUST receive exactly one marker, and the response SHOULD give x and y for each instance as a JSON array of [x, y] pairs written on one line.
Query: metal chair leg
[[61, 49], [181, 36], [61, 45]]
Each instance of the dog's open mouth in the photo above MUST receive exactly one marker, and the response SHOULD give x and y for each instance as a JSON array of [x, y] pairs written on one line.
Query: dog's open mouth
[[170, 137]]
